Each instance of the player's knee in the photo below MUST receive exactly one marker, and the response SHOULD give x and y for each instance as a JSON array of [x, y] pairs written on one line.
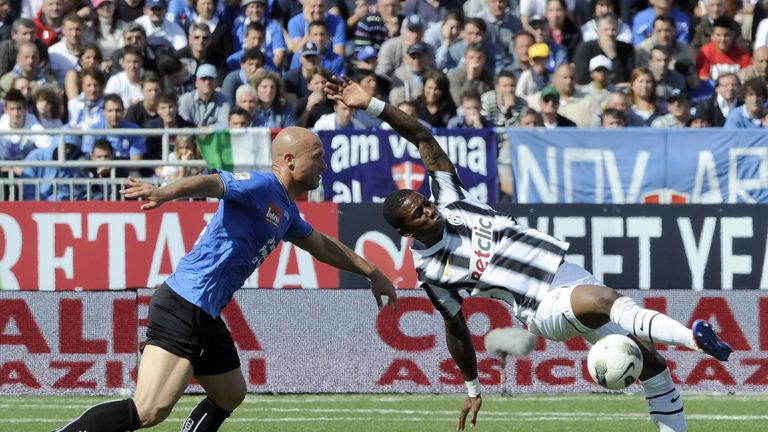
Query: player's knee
[[152, 415], [232, 398], [600, 298]]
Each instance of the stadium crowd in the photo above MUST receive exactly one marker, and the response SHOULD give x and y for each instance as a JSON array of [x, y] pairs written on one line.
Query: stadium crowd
[[99, 64]]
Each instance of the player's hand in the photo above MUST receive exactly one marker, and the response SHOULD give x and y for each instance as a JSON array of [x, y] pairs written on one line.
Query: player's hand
[[471, 406], [380, 285], [135, 189], [348, 92]]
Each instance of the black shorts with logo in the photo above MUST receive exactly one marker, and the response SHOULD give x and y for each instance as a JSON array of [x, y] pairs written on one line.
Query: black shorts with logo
[[185, 330]]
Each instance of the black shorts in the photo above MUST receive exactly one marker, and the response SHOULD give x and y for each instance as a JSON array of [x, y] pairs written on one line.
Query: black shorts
[[185, 330]]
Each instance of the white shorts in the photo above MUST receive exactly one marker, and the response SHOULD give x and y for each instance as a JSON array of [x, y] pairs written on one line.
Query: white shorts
[[554, 318]]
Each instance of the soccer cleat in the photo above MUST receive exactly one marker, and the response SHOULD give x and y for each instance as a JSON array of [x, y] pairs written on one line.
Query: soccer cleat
[[707, 341]]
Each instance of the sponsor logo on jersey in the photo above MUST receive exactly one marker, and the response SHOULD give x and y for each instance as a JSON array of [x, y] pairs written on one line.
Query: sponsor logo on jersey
[[454, 218], [241, 176], [274, 213], [482, 242]]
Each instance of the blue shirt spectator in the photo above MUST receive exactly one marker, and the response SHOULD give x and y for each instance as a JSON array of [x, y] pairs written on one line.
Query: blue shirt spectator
[[272, 40], [125, 146], [328, 59], [642, 25], [298, 26], [48, 191], [740, 118]]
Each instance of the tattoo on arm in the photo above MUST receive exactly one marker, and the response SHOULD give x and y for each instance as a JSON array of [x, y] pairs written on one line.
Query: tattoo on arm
[[411, 129]]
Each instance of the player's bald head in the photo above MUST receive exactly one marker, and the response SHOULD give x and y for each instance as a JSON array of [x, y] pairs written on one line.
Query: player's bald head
[[293, 140]]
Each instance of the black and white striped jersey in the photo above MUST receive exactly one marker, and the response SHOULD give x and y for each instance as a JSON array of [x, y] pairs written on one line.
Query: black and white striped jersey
[[483, 251]]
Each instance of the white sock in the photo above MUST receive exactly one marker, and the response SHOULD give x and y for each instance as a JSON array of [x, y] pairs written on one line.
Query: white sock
[[664, 403], [650, 325]]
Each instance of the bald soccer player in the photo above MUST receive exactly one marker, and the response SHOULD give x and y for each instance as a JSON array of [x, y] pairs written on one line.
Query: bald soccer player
[[186, 336]]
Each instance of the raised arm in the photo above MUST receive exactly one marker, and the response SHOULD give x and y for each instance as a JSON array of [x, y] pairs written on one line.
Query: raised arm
[[209, 186], [352, 95]]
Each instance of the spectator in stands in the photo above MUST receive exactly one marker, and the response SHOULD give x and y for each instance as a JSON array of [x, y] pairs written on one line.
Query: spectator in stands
[[679, 110], [619, 101], [378, 25], [642, 25], [500, 106], [255, 37], [167, 118], [64, 54], [502, 24], [48, 22], [251, 62], [127, 84], [175, 75], [600, 8], [162, 33], [537, 77], [126, 146], [698, 89], [717, 108], [393, 51], [430, 11], [548, 106], [296, 79], [408, 108], [642, 95], [87, 109], [474, 32], [576, 105], [238, 118], [531, 8], [542, 34], [752, 113], [698, 121], [447, 31], [22, 30], [375, 86], [664, 35], [530, 118], [523, 42], [272, 110], [198, 50], [23, 85], [273, 41], [143, 111], [722, 54], [246, 98], [468, 114], [761, 35], [367, 58], [702, 32], [107, 27], [599, 88], [48, 190], [101, 190], [342, 118], [221, 42], [129, 10], [622, 54], [759, 68], [435, 104], [471, 74], [314, 10], [611, 118], [90, 56], [17, 116], [27, 66], [48, 106], [204, 106], [316, 104], [134, 35], [6, 18], [562, 29], [184, 150], [667, 81], [408, 79], [317, 39]]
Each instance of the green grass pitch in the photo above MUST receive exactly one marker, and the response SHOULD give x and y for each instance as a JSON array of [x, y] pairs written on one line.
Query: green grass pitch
[[422, 413]]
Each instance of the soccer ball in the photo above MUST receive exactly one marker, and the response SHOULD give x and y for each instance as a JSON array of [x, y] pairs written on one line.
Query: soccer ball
[[615, 362]]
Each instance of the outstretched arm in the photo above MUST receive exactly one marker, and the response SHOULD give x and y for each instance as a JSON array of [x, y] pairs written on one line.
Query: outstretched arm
[[463, 352], [209, 186], [352, 95], [331, 251]]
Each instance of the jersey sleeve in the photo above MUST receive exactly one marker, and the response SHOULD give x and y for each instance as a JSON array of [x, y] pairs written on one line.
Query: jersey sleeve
[[299, 228], [445, 301], [447, 188], [244, 187]]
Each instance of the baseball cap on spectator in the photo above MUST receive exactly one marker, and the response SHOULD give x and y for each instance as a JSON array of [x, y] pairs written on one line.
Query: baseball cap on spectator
[[537, 19], [417, 48], [538, 50], [206, 71], [97, 3], [310, 48], [151, 4], [244, 3], [550, 92], [675, 94], [367, 52], [600, 61], [413, 23]]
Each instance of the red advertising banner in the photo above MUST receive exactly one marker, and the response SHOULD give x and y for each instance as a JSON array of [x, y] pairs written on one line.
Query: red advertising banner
[[336, 341], [65, 246]]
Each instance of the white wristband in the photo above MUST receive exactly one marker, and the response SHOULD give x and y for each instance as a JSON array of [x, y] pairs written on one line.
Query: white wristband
[[473, 387], [375, 107]]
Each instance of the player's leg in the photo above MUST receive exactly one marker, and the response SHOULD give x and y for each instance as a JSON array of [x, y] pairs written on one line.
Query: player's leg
[[665, 405]]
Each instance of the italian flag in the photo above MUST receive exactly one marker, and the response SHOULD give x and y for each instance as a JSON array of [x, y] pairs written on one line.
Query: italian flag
[[247, 149]]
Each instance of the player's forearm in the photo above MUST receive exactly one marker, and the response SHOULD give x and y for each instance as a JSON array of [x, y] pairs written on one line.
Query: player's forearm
[[337, 254], [209, 186], [414, 131], [460, 346]]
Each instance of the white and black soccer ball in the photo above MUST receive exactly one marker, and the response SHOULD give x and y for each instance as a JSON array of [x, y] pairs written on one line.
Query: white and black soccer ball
[[615, 362]]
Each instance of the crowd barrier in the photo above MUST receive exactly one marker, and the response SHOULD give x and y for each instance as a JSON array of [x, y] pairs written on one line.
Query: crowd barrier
[[320, 341]]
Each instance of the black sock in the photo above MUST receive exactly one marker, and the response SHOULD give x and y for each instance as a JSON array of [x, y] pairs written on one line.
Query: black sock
[[115, 416], [206, 417]]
